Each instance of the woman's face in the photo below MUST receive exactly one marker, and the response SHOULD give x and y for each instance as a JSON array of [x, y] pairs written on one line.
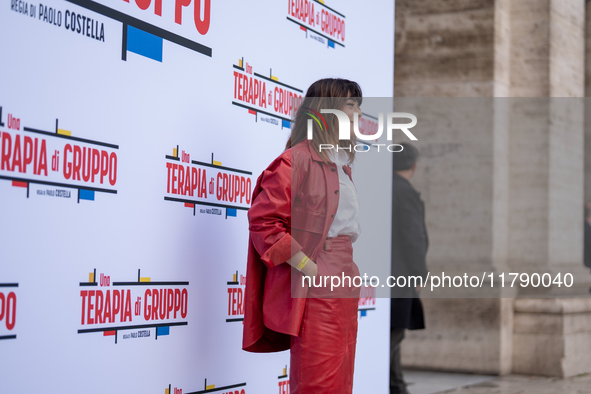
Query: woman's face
[[351, 107]]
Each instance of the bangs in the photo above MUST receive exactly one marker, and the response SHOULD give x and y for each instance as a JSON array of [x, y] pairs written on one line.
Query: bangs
[[335, 88], [354, 91]]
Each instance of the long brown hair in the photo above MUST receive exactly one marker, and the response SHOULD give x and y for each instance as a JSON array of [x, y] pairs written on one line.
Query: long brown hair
[[329, 93]]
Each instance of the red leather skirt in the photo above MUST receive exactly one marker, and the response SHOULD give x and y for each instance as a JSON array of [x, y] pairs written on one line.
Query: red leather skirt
[[323, 355]]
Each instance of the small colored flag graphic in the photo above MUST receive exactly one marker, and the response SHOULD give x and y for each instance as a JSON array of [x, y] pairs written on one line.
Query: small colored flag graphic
[[145, 44]]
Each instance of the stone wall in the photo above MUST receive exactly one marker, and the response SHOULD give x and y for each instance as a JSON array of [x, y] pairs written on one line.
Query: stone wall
[[444, 48], [509, 194]]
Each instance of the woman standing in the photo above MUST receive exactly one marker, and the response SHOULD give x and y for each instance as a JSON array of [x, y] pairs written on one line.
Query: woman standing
[[303, 220]]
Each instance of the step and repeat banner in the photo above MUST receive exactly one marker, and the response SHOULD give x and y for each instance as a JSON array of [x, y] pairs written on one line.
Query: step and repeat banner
[[132, 133]]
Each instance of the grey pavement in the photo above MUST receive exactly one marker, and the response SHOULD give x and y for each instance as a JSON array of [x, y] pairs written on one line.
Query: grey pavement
[[422, 382]]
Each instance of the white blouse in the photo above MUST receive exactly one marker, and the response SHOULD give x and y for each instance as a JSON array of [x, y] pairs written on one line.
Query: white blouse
[[346, 220]]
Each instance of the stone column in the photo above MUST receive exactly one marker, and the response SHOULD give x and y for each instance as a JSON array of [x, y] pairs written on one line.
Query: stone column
[[524, 209], [588, 101], [444, 48], [546, 137], [546, 184], [562, 326], [451, 49]]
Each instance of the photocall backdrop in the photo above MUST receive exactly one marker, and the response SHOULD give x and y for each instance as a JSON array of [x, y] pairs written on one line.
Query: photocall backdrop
[[132, 133]]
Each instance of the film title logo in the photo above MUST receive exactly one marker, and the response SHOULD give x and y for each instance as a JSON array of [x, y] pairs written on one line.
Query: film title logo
[[7, 310], [239, 388], [236, 297], [138, 36], [56, 159], [367, 300], [269, 99], [207, 184], [283, 382], [139, 305], [320, 21], [73, 22], [201, 11]]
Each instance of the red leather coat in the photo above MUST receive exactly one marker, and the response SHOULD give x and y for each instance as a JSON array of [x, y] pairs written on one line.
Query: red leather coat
[[293, 206]]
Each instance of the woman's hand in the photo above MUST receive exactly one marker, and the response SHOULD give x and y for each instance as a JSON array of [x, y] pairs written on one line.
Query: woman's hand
[[310, 269]]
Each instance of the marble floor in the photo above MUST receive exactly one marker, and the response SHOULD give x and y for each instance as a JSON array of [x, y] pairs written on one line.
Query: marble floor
[[422, 382]]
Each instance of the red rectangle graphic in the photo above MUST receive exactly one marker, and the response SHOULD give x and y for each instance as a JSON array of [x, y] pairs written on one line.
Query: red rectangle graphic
[[19, 184]]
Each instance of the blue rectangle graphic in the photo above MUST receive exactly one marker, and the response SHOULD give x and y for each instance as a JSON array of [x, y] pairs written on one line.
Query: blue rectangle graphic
[[163, 330], [145, 44], [86, 194], [363, 313], [286, 123], [231, 212], [331, 43]]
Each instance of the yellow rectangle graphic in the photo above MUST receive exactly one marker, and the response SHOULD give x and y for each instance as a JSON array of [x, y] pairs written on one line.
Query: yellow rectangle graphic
[[217, 163], [284, 371], [274, 78], [145, 279], [166, 391], [64, 132], [234, 277], [240, 63], [91, 277], [174, 152], [321, 1], [209, 387]]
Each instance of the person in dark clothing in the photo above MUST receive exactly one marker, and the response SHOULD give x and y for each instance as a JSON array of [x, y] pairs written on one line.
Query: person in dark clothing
[[587, 244], [409, 249]]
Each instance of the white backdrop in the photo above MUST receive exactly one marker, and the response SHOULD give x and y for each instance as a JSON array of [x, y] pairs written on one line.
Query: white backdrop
[[119, 273]]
